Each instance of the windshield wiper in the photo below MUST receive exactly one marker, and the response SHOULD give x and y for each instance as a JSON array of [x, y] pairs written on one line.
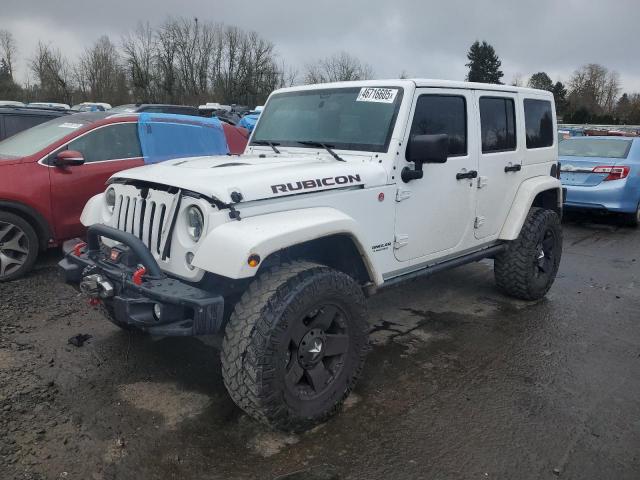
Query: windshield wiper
[[311, 143], [265, 142]]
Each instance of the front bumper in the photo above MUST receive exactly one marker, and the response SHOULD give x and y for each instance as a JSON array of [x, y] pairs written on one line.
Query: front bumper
[[184, 309]]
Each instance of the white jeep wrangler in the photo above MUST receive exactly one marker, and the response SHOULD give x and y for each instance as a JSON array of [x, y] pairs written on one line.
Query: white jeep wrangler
[[343, 189]]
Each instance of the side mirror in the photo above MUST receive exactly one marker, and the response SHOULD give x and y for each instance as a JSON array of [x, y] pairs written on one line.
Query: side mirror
[[68, 158], [428, 148], [425, 149]]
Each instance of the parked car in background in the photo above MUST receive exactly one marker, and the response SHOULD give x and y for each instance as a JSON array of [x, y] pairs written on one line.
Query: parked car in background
[[92, 107], [250, 119], [155, 108], [63, 106], [602, 174], [48, 173], [16, 119], [11, 103]]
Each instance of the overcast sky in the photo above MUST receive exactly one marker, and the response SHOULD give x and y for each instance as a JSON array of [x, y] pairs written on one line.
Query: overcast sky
[[422, 37]]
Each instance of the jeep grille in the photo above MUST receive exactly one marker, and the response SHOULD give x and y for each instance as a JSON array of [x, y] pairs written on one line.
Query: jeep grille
[[144, 218]]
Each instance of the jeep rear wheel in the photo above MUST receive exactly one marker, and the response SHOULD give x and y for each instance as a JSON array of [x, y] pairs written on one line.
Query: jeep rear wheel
[[18, 246], [295, 345], [528, 266]]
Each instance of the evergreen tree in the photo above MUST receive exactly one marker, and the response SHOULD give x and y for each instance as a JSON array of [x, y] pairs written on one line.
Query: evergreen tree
[[560, 96], [9, 89], [484, 65], [541, 81], [623, 108]]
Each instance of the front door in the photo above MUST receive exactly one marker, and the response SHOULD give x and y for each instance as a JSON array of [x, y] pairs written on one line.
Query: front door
[[501, 153], [106, 150], [435, 213]]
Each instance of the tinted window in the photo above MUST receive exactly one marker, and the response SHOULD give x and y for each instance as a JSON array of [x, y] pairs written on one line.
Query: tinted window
[[538, 121], [498, 124], [594, 147], [442, 114], [109, 143], [17, 123]]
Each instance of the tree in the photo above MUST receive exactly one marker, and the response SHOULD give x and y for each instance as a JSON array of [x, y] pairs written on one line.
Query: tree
[[541, 81], [594, 89], [140, 49], [53, 74], [560, 96], [8, 50], [99, 73], [339, 67], [8, 88], [516, 80], [484, 65]]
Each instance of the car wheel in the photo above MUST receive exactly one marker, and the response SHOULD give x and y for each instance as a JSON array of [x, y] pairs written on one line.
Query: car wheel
[[633, 219], [295, 345], [18, 246], [528, 266]]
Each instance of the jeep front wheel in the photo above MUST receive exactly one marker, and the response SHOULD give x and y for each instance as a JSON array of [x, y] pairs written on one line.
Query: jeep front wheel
[[295, 345], [528, 266], [18, 246]]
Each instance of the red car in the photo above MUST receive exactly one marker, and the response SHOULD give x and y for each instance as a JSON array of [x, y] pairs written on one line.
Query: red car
[[48, 173]]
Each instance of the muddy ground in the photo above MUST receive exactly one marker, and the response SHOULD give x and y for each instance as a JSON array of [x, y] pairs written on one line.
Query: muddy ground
[[462, 383]]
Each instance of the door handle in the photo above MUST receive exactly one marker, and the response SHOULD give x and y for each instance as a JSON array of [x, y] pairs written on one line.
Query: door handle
[[513, 168], [469, 174]]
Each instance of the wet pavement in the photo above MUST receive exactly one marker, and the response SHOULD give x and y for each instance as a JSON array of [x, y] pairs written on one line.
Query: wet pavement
[[462, 383]]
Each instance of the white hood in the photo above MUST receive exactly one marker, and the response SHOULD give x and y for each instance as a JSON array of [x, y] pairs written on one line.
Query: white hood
[[259, 178]]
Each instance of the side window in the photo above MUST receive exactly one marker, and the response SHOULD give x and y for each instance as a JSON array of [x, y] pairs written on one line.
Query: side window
[[497, 124], [17, 123], [113, 142], [437, 114], [538, 121]]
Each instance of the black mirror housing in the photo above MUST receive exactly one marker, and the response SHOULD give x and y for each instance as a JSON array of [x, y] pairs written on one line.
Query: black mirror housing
[[428, 148]]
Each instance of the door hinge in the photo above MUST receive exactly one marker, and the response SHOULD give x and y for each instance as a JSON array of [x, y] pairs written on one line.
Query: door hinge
[[478, 222], [483, 181], [402, 194], [400, 240]]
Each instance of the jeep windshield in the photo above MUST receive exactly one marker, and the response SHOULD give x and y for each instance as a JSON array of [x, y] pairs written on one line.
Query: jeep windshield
[[359, 118]]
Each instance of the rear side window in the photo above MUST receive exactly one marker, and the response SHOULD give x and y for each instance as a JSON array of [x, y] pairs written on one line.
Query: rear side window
[[538, 121], [436, 114], [17, 123], [498, 124], [113, 142]]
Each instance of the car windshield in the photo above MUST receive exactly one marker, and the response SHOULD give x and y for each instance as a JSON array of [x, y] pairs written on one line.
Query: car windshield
[[342, 118], [36, 138], [594, 147]]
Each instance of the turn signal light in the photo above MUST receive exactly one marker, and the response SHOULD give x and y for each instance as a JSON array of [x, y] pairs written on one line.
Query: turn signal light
[[614, 172], [253, 260]]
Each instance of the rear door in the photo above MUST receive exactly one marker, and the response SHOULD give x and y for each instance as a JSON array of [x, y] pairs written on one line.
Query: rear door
[[501, 151], [107, 149]]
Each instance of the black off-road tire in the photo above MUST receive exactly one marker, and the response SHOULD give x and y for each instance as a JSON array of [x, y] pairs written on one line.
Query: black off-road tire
[[15, 227], [257, 361], [520, 271]]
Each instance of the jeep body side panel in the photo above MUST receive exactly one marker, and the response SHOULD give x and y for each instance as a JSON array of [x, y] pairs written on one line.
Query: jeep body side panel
[[269, 233], [523, 201]]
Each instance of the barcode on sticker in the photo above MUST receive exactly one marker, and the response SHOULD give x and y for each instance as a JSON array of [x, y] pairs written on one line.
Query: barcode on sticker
[[381, 95]]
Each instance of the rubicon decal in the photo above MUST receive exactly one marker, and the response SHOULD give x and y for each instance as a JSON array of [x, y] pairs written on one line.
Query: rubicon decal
[[315, 183]]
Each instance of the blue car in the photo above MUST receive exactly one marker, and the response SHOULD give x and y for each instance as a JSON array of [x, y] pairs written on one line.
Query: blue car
[[602, 173]]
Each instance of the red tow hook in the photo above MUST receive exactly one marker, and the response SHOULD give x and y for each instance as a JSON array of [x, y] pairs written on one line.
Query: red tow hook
[[93, 301], [77, 247], [138, 274]]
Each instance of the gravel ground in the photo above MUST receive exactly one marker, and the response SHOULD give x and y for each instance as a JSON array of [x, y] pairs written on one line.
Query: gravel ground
[[462, 383]]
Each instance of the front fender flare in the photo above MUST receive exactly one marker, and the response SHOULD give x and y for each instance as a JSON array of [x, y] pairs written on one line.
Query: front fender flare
[[523, 201], [226, 248]]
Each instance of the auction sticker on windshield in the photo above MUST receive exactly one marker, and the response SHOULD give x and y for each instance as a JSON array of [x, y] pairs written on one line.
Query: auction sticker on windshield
[[70, 125], [380, 95]]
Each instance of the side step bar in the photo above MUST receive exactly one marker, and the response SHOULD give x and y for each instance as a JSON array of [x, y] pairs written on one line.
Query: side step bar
[[446, 265]]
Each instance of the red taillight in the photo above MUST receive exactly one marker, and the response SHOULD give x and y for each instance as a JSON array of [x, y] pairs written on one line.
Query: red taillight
[[614, 172]]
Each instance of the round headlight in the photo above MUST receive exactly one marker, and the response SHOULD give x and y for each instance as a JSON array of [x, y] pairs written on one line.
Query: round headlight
[[195, 223], [110, 198]]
